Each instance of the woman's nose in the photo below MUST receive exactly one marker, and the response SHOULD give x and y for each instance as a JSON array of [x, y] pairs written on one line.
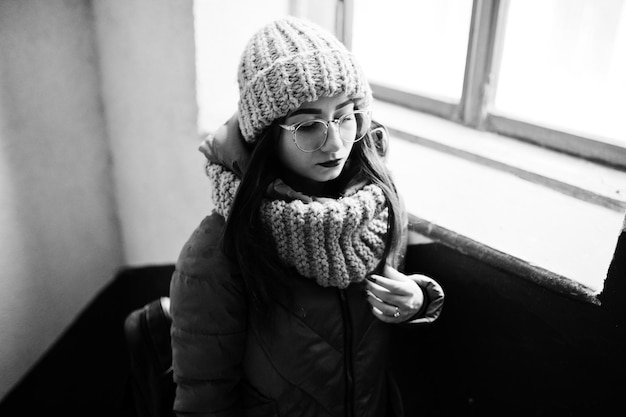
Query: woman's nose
[[333, 139]]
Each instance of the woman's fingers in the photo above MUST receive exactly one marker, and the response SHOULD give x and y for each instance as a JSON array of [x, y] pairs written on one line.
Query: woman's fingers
[[392, 273], [394, 297], [381, 284], [385, 312], [386, 318], [382, 306], [379, 291]]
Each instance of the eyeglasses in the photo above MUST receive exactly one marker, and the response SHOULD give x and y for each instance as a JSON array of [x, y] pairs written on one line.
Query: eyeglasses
[[311, 135]]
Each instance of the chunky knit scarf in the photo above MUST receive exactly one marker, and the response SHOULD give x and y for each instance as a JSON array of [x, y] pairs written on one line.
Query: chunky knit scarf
[[335, 242]]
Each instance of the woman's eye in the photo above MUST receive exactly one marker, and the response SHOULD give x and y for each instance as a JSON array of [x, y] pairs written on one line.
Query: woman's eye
[[308, 125]]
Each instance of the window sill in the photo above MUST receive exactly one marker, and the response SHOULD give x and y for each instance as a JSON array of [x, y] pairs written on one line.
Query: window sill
[[543, 215]]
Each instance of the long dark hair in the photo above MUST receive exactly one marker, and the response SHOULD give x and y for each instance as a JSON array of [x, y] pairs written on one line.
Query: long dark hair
[[246, 242]]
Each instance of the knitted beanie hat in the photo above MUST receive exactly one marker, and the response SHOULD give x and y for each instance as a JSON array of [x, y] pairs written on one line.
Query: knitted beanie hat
[[290, 62]]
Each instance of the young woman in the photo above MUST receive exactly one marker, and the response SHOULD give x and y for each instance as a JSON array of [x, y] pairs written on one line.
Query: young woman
[[282, 298]]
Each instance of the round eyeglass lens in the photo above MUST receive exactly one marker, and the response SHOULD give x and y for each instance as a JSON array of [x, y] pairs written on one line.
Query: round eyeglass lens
[[310, 136], [352, 127]]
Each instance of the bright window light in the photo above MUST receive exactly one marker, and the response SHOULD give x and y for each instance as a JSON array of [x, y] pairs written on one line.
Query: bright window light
[[563, 66], [414, 46]]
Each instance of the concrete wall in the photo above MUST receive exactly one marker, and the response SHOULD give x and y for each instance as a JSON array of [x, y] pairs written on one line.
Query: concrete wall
[[99, 166], [59, 231], [147, 61]]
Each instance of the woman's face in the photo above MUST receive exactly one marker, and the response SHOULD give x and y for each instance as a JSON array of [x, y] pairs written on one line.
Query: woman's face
[[326, 163]]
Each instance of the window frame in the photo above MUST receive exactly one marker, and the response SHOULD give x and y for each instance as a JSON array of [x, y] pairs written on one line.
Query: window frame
[[484, 50], [589, 173]]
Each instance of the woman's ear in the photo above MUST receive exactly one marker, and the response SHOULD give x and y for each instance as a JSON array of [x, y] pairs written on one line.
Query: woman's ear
[[380, 136]]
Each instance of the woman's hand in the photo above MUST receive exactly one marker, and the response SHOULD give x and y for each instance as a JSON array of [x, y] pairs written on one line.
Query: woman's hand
[[394, 297]]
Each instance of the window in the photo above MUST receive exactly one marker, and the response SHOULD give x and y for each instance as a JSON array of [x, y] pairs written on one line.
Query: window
[[462, 81], [479, 73], [574, 60], [428, 64], [548, 71]]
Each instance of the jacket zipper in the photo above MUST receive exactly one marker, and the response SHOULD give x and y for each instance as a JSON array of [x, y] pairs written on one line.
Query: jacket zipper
[[348, 354]]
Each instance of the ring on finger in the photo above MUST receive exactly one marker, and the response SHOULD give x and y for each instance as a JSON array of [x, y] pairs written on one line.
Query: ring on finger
[[396, 313]]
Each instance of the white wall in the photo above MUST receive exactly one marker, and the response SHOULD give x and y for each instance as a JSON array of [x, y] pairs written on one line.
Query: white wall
[[222, 32], [147, 61], [59, 230], [99, 167]]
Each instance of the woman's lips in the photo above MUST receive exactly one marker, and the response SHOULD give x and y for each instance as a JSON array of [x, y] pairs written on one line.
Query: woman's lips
[[330, 164]]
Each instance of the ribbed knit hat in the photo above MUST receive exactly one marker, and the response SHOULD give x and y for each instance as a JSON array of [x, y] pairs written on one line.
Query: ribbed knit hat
[[290, 62]]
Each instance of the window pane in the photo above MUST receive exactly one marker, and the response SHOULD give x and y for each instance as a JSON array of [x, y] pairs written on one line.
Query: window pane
[[563, 66], [222, 30], [418, 46]]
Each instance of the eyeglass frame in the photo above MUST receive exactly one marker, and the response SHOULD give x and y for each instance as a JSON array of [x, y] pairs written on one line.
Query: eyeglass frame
[[293, 127]]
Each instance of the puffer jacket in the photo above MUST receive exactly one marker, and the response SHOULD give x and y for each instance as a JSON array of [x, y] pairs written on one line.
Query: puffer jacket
[[324, 354]]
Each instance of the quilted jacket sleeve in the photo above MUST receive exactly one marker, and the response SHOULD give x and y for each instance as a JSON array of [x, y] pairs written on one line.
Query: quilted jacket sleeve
[[209, 313], [433, 300]]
